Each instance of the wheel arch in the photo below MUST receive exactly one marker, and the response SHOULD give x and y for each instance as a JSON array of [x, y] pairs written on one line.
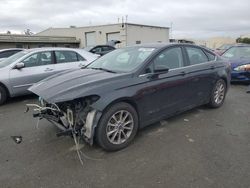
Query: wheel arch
[[5, 87]]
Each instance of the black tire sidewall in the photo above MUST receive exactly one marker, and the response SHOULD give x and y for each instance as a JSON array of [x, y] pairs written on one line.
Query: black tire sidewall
[[101, 136], [212, 102], [3, 95]]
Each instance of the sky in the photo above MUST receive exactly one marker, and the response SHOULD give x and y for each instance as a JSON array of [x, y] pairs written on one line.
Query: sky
[[190, 18]]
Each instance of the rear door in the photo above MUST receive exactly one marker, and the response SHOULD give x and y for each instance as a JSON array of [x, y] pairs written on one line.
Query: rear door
[[202, 73], [37, 67], [68, 60]]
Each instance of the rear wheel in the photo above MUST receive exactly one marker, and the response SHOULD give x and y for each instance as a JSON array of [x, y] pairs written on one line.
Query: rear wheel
[[3, 95], [218, 94], [117, 127]]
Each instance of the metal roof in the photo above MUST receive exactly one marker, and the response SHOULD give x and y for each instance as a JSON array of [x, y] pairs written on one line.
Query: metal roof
[[37, 39]]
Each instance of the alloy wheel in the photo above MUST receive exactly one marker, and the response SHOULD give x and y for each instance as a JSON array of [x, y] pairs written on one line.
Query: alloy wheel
[[219, 93], [120, 127]]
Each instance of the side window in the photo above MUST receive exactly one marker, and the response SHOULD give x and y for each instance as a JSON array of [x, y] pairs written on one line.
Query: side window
[[80, 58], [196, 56], [105, 48], [96, 50], [210, 56], [66, 56], [38, 59], [170, 58]]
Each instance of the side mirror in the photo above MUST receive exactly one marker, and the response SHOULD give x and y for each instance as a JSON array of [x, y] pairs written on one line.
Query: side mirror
[[161, 70], [19, 66]]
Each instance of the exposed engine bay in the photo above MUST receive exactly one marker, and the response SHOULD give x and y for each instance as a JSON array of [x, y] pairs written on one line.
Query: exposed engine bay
[[75, 117]]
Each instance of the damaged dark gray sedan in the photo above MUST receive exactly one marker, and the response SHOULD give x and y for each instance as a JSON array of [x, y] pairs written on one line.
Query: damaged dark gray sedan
[[130, 88]]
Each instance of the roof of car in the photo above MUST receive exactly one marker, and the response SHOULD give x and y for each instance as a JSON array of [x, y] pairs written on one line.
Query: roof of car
[[9, 49], [50, 48], [240, 45], [161, 45]]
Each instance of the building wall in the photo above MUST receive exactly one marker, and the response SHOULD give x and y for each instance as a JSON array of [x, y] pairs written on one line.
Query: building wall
[[100, 33], [128, 33], [6, 45], [145, 34]]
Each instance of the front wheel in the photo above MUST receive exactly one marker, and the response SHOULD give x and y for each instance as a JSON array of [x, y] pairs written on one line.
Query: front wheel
[[117, 127], [218, 94], [3, 95]]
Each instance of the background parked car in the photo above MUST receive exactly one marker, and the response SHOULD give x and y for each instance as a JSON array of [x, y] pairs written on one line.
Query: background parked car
[[100, 49], [27, 67], [239, 58], [5, 53], [130, 88], [222, 49]]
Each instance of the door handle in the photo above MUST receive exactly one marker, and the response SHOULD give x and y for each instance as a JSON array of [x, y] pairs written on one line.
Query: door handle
[[183, 73], [212, 67], [48, 70]]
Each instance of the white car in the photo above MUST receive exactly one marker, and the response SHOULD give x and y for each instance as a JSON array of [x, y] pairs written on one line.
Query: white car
[[22, 70], [5, 53]]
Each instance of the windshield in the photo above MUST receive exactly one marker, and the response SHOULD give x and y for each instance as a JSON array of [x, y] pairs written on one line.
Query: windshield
[[122, 60], [237, 52], [12, 58], [225, 46]]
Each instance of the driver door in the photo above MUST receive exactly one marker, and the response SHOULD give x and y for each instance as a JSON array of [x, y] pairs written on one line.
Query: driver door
[[166, 92], [36, 67]]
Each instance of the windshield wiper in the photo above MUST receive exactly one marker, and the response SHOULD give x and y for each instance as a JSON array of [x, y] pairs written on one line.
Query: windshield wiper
[[103, 69]]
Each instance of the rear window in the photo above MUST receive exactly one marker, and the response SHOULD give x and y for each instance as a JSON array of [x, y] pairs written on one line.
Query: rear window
[[67, 56], [196, 56]]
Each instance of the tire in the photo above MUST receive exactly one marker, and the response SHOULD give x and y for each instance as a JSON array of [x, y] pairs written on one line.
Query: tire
[[218, 94], [111, 127], [3, 95]]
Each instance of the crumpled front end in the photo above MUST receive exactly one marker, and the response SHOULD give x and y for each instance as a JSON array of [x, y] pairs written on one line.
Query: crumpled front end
[[76, 117]]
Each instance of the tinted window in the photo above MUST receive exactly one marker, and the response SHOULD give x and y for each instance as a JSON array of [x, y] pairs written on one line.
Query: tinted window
[[38, 59], [196, 56], [66, 56], [107, 48], [8, 53], [170, 58], [96, 50]]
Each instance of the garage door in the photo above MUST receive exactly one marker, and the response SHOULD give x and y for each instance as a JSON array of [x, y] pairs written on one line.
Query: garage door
[[90, 39], [113, 36]]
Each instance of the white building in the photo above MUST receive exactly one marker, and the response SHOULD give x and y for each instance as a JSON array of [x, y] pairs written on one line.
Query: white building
[[127, 33]]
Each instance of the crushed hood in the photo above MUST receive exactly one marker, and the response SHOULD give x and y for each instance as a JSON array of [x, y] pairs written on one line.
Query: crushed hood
[[75, 84]]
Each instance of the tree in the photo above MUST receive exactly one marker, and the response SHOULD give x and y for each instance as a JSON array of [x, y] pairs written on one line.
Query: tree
[[8, 32], [28, 32], [243, 40]]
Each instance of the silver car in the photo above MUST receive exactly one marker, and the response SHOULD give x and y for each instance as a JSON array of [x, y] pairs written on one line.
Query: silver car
[[22, 70]]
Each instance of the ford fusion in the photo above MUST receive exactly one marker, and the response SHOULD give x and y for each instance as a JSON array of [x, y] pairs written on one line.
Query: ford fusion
[[109, 100]]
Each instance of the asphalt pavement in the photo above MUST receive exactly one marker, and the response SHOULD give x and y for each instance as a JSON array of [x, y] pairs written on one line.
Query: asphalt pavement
[[200, 148]]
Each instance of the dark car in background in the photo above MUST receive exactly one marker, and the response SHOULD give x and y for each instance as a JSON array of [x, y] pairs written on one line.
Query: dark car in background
[[5, 53], [130, 88], [239, 58], [222, 48], [100, 49]]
